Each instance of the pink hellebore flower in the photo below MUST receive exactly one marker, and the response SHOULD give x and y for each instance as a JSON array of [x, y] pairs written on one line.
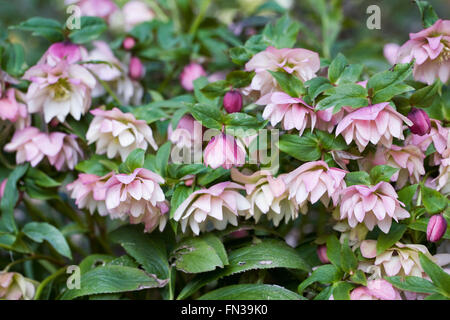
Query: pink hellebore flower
[[115, 132], [24, 142], [95, 8], [438, 136], [293, 112], [14, 286], [267, 196], [400, 260], [443, 180], [322, 254], [70, 52], [436, 228], [375, 123], [376, 205], [421, 122], [327, 121], [408, 159], [187, 132], [301, 63], [191, 72], [59, 90], [134, 195], [136, 69], [11, 109], [390, 52], [378, 289], [224, 151], [89, 192], [136, 12], [431, 49], [315, 181], [102, 52], [68, 150], [154, 218], [214, 207]]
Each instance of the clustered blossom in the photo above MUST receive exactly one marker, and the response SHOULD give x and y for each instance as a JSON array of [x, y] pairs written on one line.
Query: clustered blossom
[[443, 180], [431, 50], [378, 289], [375, 123], [315, 181], [187, 132], [31, 145], [14, 286], [214, 207], [224, 151], [302, 63], [115, 132], [376, 205], [267, 196]]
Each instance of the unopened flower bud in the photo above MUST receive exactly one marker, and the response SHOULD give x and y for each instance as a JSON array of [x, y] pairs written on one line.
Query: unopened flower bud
[[421, 122], [129, 43], [322, 253], [436, 228], [137, 69], [232, 101]]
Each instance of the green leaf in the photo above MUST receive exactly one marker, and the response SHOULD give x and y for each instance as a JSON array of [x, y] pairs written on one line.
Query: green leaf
[[41, 178], [336, 67], [324, 274], [439, 277], [341, 290], [433, 200], [351, 73], [334, 250], [10, 197], [111, 279], [149, 251], [347, 94], [406, 194], [429, 16], [180, 194], [13, 60], [424, 97], [382, 173], [421, 225], [389, 92], [349, 262], [283, 34], [97, 165], [134, 160], [387, 240], [50, 29], [162, 158], [215, 89], [208, 115], [195, 255], [91, 29], [414, 284], [40, 231], [316, 86], [240, 55], [304, 148], [289, 83], [239, 78], [357, 177], [359, 277], [330, 142], [239, 124], [251, 292]]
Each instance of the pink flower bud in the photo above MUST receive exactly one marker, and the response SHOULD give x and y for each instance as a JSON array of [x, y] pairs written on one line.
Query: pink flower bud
[[129, 43], [232, 101], [421, 122], [137, 69], [322, 253], [436, 228], [190, 73]]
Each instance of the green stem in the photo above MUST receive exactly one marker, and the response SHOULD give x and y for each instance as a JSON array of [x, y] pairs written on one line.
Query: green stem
[[47, 281], [158, 11], [201, 15]]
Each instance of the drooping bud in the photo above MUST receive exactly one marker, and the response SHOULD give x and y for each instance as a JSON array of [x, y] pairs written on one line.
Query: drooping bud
[[421, 122], [322, 253], [232, 101], [137, 69], [129, 43], [436, 228]]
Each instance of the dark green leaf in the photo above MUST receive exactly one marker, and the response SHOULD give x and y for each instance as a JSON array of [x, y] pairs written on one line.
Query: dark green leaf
[[91, 29], [382, 173], [134, 160], [439, 277], [324, 274], [251, 292], [304, 148], [40, 231], [289, 83], [336, 67], [387, 240], [433, 200], [357, 177], [414, 284], [50, 29], [429, 16]]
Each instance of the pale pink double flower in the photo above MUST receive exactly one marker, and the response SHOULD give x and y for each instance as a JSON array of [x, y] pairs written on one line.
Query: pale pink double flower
[[211, 208], [187, 132], [291, 112], [375, 123], [314, 181], [224, 151], [376, 205], [431, 50], [95, 8], [378, 289], [13, 110], [301, 63], [138, 196], [32, 146], [267, 195], [115, 132]]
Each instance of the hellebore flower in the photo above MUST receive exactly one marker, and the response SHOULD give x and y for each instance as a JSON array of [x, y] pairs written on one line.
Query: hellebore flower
[[315, 181], [191, 72], [390, 52], [187, 132], [378, 289], [214, 207], [115, 132], [443, 180], [95, 8], [421, 122], [375, 123], [431, 49], [322, 254], [224, 151], [232, 101], [14, 286], [436, 228], [376, 205], [13, 110], [136, 69]]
